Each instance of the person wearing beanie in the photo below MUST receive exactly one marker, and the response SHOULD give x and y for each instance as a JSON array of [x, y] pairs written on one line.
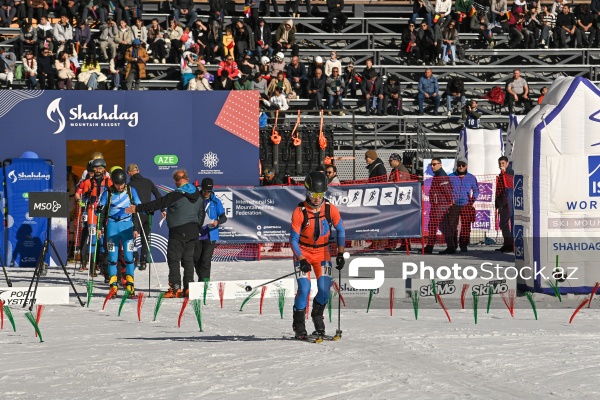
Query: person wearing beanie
[[209, 233], [399, 171], [377, 171]]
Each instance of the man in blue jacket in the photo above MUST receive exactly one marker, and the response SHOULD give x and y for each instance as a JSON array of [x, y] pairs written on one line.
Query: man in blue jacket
[[464, 194], [209, 233], [429, 89]]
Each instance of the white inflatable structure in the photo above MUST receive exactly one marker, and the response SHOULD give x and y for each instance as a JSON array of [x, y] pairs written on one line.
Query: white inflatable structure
[[556, 159]]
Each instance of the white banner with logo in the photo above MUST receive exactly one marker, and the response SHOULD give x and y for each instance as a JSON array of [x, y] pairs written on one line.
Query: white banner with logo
[[237, 289], [452, 288], [15, 296]]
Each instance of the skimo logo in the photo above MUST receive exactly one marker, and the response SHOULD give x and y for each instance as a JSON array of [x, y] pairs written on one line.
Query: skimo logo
[[97, 118], [33, 176]]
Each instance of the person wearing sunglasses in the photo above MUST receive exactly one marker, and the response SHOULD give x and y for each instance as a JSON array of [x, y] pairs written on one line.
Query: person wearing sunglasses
[[332, 176], [440, 198], [312, 222], [464, 194]]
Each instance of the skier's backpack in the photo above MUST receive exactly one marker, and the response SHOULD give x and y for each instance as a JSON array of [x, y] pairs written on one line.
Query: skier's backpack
[[495, 95], [106, 210], [327, 217]]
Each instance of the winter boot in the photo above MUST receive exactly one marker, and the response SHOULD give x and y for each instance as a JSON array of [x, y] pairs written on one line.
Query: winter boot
[[317, 317], [129, 285], [298, 324], [428, 249], [113, 285], [174, 288], [136, 259]]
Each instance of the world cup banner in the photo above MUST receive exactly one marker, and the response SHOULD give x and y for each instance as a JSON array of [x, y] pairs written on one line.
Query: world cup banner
[[263, 214]]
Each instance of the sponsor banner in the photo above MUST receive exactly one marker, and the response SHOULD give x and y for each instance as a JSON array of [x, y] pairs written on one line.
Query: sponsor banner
[[236, 289], [25, 232], [574, 185], [519, 242], [49, 204], [452, 288], [15, 296], [573, 246], [263, 214], [350, 292]]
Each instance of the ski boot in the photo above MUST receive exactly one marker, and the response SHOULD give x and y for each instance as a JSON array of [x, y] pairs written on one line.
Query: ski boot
[[317, 318], [174, 291], [129, 285], [83, 266], [298, 324], [143, 262], [114, 287], [136, 259]]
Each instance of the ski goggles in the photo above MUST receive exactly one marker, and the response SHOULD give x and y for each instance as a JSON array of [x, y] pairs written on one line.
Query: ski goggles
[[316, 196]]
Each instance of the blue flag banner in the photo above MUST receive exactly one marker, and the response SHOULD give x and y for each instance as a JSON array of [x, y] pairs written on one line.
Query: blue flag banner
[[263, 214], [25, 234], [2, 207]]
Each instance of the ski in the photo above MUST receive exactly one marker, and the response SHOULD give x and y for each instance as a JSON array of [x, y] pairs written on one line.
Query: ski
[[315, 338]]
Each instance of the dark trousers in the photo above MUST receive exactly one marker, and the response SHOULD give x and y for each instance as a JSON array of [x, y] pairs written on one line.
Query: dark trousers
[[436, 213], [511, 102], [203, 258], [504, 217], [145, 218], [180, 253], [466, 216], [340, 18]]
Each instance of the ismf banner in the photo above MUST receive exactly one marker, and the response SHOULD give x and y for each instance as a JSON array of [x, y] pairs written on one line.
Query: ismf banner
[[263, 214], [25, 233]]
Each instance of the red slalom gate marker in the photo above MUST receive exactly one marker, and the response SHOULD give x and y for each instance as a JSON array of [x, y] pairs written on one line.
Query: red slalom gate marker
[[38, 315], [593, 293], [221, 292], [509, 301], [263, 291], [339, 292], [183, 306], [444, 307], [583, 303], [140, 304], [1, 314], [111, 293], [463, 294], [391, 301]]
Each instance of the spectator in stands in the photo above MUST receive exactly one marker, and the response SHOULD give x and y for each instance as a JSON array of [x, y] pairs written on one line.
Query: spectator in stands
[[72, 8], [188, 60], [586, 23], [199, 82], [316, 89], [278, 101], [243, 83], [449, 39], [45, 34], [246, 67], [443, 13], [157, 42], [543, 92], [352, 79], [277, 64], [46, 71], [427, 44], [140, 31], [37, 7], [265, 68], [27, 40], [317, 63], [116, 67], [372, 89], [423, 9], [215, 40], [440, 198], [392, 97], [332, 176], [262, 36], [410, 47], [518, 34], [463, 10], [296, 74], [428, 89], [108, 32], [548, 23], [200, 36], [377, 171], [498, 11], [124, 37], [136, 58], [260, 84], [30, 70], [293, 5], [517, 90], [244, 39], [335, 90], [228, 43], [217, 10], [83, 36], [281, 82], [63, 33], [567, 27], [230, 66], [332, 63], [285, 38], [502, 204], [98, 9], [130, 8], [64, 71], [595, 7], [270, 177], [455, 89], [557, 6], [90, 72], [223, 82], [464, 194], [7, 12], [275, 8], [399, 172], [185, 8], [480, 24], [533, 27], [174, 34], [471, 115], [335, 11]]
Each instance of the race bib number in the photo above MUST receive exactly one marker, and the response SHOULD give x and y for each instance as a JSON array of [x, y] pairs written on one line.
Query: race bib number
[[92, 230], [84, 217], [301, 274], [130, 245], [326, 268], [111, 247]]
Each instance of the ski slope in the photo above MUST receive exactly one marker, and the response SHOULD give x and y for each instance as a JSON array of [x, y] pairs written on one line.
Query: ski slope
[[92, 354]]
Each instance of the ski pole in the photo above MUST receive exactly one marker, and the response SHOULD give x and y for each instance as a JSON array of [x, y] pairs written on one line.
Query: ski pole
[[90, 243], [338, 333], [8, 281], [151, 259], [149, 251], [250, 288]]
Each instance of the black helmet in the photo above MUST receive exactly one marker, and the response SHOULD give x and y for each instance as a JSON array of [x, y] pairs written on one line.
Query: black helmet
[[316, 186], [118, 177], [98, 163]]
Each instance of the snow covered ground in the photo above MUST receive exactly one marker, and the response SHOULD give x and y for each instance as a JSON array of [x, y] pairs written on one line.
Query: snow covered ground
[[92, 354]]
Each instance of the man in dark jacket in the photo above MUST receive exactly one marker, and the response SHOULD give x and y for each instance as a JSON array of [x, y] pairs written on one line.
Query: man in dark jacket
[[372, 89], [185, 8], [145, 188], [335, 10], [185, 216], [392, 97], [271, 178], [296, 74], [440, 198], [316, 89], [377, 171], [455, 89], [46, 71], [263, 38], [503, 181]]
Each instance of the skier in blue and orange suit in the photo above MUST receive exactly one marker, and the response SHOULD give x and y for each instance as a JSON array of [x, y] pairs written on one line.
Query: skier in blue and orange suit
[[311, 228]]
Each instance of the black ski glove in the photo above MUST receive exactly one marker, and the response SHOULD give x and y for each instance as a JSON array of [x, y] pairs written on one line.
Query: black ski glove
[[340, 261], [305, 266]]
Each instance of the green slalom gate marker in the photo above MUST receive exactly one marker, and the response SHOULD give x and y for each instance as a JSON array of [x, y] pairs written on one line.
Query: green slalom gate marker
[[371, 292], [490, 296], [159, 302], [206, 281], [281, 301], [31, 318], [198, 311], [10, 317], [247, 299], [475, 303], [123, 300], [90, 291], [414, 294], [532, 302]]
